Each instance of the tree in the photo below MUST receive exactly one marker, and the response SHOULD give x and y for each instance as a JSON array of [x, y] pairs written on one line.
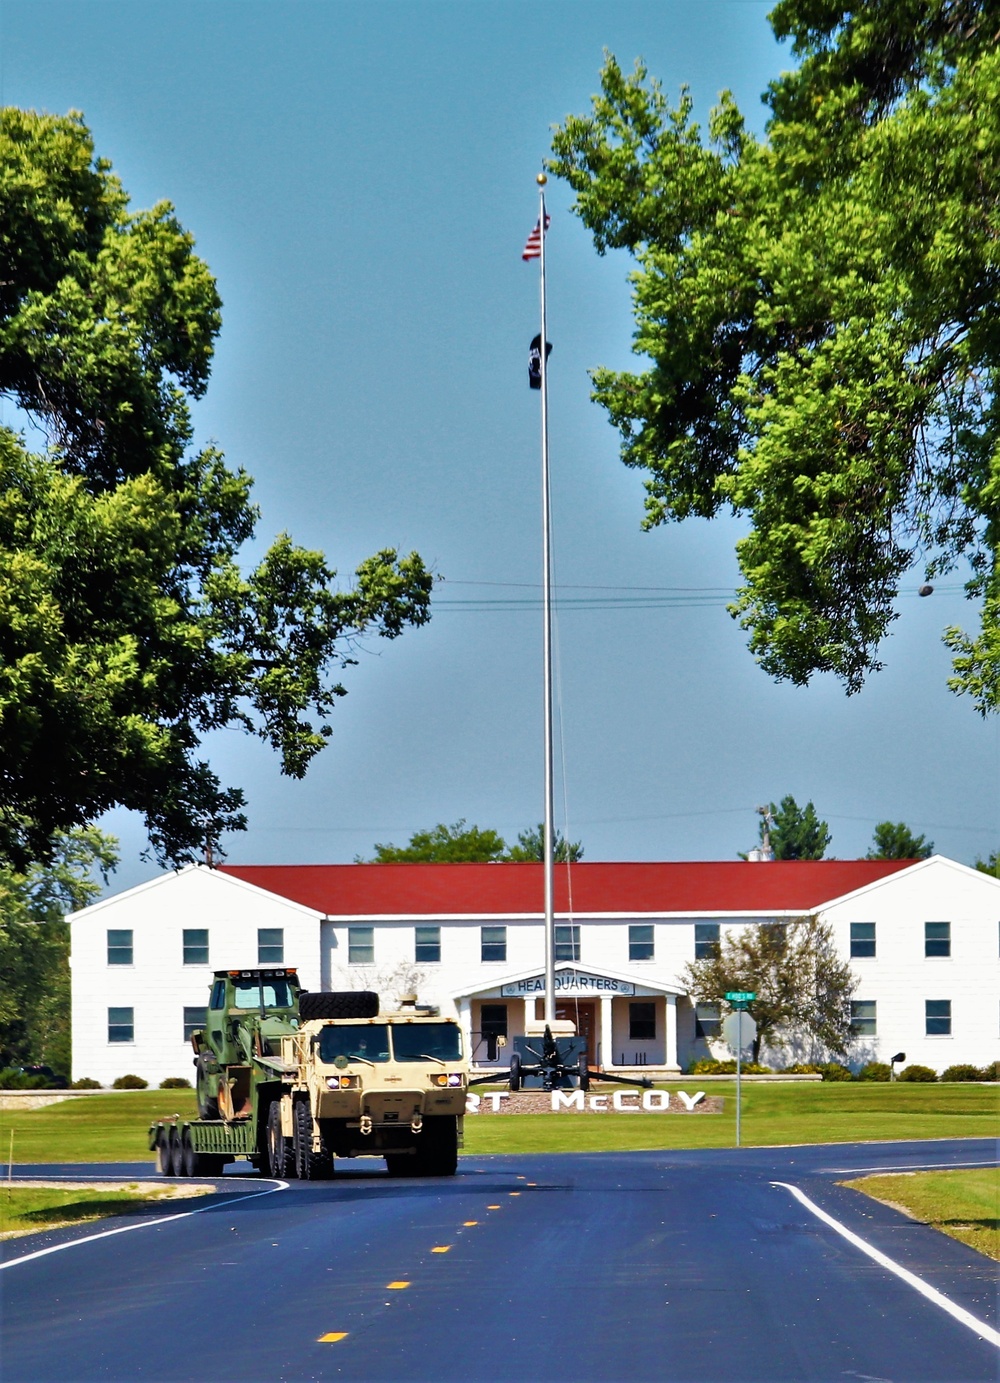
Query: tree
[[128, 627], [444, 845], [34, 946], [895, 841], [793, 832], [802, 985], [531, 846], [991, 865], [817, 316]]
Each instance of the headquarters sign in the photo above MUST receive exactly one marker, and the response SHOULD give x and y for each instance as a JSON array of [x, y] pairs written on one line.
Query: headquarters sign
[[568, 982]]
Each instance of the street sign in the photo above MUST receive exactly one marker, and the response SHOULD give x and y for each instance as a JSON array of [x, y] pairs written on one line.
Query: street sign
[[738, 1031], [740, 996]]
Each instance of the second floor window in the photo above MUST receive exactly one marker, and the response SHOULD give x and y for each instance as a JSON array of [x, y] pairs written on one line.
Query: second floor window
[[862, 940], [361, 945], [706, 940], [270, 946], [427, 945], [195, 945], [493, 943], [863, 1017], [937, 938], [120, 948], [567, 941], [640, 941]]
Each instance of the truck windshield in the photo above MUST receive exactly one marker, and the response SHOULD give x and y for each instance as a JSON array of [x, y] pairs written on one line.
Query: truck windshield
[[356, 1041], [417, 1041], [246, 994]]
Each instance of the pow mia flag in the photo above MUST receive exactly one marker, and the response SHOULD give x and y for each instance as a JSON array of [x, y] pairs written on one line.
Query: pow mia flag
[[535, 361]]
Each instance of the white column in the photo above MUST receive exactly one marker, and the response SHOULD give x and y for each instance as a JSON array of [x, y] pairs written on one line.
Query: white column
[[670, 1015], [607, 1037], [529, 1011], [465, 1023]]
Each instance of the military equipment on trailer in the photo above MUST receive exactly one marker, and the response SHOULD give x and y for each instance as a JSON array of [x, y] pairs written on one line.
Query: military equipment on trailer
[[292, 1079]]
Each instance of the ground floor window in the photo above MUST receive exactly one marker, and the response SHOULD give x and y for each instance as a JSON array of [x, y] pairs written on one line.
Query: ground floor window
[[937, 1017], [121, 1025], [863, 1017], [194, 1019], [707, 1021], [641, 1022]]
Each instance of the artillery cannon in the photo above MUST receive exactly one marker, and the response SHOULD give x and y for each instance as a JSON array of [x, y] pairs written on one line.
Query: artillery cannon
[[546, 1062]]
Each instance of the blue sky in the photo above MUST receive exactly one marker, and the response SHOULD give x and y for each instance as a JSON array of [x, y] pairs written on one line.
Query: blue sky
[[360, 178]]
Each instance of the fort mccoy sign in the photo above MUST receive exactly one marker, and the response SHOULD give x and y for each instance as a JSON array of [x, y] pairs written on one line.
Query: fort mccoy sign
[[577, 1102], [568, 982]]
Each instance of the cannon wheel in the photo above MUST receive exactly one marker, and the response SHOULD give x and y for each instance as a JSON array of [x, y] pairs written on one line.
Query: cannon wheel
[[584, 1074], [515, 1072]]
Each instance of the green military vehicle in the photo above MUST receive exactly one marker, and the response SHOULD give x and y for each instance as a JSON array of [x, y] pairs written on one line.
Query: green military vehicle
[[292, 1080]]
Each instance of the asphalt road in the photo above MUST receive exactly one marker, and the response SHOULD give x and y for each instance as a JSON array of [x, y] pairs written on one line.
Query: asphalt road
[[672, 1266]]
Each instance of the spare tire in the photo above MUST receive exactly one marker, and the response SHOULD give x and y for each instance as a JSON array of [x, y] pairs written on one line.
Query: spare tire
[[346, 1003]]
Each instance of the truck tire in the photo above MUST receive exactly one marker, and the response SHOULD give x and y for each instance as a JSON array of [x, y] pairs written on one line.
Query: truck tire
[[176, 1153], [515, 1073], [438, 1155], [347, 1003], [189, 1158], [163, 1152], [208, 1104], [398, 1166], [309, 1165], [280, 1154]]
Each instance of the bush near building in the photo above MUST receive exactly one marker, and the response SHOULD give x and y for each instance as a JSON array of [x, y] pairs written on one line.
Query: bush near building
[[130, 1082], [917, 1073]]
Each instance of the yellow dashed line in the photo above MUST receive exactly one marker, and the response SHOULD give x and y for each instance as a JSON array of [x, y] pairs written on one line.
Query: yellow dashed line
[[513, 1193], [469, 1223], [493, 1207], [332, 1338], [532, 1183], [442, 1248], [396, 1286]]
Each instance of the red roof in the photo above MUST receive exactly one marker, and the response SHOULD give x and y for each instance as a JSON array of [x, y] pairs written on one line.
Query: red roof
[[407, 890]]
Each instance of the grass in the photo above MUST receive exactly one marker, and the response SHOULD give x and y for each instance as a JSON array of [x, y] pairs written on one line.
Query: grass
[[29, 1209], [964, 1204], [112, 1128]]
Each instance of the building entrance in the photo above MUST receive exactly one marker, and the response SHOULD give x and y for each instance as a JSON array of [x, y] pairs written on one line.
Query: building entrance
[[582, 1012]]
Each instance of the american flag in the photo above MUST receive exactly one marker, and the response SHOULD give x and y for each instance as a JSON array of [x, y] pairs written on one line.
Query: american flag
[[533, 248]]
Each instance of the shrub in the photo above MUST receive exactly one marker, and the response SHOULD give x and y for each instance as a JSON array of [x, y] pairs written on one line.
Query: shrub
[[707, 1067], [13, 1078], [961, 1072], [175, 1083], [130, 1082], [918, 1073], [835, 1070], [875, 1070], [803, 1068], [86, 1083], [991, 1072]]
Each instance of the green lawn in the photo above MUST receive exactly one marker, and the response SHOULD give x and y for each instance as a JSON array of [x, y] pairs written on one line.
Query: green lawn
[[964, 1204], [29, 1209], [112, 1128]]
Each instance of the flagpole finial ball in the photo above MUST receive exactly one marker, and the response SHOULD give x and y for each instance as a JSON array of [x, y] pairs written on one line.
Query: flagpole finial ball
[[541, 179]]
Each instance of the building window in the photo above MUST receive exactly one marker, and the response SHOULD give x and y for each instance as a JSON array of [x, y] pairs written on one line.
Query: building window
[[567, 941], [862, 940], [493, 1024], [937, 1017], [121, 1025], [195, 945], [937, 938], [493, 944], [270, 946], [863, 1016], [120, 949], [361, 945], [640, 941], [706, 940], [194, 1020], [427, 945], [707, 1021], [641, 1022]]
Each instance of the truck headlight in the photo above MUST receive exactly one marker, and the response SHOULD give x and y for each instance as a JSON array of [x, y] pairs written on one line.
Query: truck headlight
[[343, 1082], [452, 1080]]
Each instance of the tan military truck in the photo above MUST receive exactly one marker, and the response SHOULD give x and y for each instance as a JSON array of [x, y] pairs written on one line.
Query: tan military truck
[[392, 1086]]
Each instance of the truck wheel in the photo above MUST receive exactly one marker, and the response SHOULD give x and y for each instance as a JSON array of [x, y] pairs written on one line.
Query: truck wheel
[[310, 1166], [346, 1003], [163, 1152], [438, 1156], [208, 1104], [401, 1166], [176, 1153], [189, 1157], [280, 1156], [515, 1072]]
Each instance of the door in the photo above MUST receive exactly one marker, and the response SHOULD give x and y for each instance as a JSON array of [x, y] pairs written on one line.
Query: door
[[582, 1012]]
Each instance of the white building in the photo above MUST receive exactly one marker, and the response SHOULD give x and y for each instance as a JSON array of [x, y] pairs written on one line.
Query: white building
[[922, 937]]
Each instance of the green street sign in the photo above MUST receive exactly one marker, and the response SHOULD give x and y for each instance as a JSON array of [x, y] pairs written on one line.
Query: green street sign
[[740, 996]]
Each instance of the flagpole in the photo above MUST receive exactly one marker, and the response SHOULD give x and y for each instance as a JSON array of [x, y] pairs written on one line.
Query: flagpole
[[548, 853]]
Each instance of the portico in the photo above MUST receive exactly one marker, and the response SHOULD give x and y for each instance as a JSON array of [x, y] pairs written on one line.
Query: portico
[[628, 1021]]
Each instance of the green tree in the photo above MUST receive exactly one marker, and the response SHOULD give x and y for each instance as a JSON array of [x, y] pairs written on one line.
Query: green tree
[[34, 946], [128, 626], [816, 312], [531, 846], [895, 841], [803, 988], [443, 844], [793, 832], [990, 865]]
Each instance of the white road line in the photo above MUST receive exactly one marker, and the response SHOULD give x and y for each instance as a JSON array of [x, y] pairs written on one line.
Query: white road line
[[966, 1318], [126, 1229], [909, 1167]]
